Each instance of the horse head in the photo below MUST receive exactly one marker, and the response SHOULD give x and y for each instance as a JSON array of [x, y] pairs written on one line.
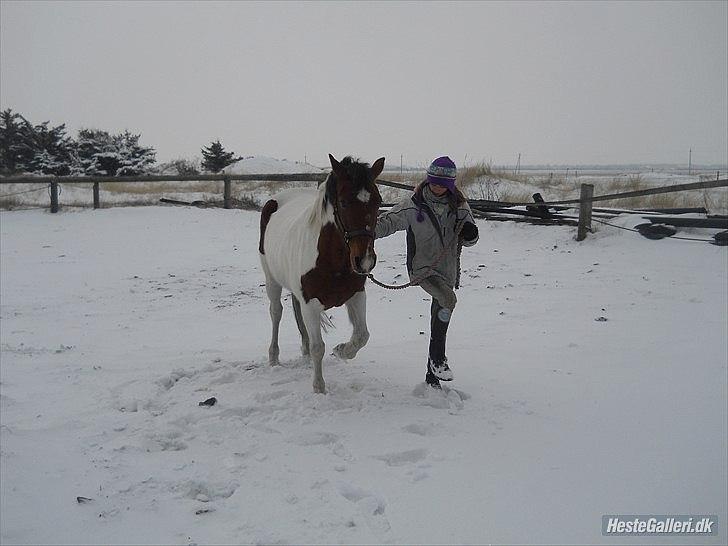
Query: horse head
[[352, 192]]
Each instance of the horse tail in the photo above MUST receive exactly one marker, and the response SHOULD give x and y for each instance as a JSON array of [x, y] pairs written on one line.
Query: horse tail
[[326, 323], [268, 209]]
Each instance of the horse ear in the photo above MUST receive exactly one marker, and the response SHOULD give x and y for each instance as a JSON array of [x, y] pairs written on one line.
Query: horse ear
[[377, 168], [334, 164]]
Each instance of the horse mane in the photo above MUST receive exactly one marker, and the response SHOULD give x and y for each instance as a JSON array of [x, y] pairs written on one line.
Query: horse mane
[[359, 174], [318, 212]]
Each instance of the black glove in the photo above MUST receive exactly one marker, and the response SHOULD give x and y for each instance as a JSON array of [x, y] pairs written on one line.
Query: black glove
[[469, 231]]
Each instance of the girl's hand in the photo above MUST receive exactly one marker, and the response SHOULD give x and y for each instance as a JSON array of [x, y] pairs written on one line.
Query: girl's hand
[[469, 231]]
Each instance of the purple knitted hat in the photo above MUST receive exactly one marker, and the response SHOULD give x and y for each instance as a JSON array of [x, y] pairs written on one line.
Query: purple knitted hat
[[443, 172]]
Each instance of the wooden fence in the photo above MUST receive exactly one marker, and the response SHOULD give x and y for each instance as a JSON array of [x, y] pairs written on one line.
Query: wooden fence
[[539, 209], [227, 179]]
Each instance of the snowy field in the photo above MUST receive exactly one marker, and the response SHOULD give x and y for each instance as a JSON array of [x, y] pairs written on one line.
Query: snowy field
[[590, 379]]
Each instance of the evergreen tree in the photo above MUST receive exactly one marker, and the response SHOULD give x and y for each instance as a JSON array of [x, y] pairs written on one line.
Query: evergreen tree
[[45, 149], [46, 163], [90, 143], [135, 158], [215, 158], [29, 148], [52, 150], [99, 153], [16, 143]]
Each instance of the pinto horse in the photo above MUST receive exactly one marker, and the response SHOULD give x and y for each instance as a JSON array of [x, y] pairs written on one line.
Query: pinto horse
[[319, 245]]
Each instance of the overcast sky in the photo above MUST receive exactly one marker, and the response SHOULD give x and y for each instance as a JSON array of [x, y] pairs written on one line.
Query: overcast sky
[[576, 83]]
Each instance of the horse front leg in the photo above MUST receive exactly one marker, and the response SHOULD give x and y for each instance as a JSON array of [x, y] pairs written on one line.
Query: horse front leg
[[356, 307], [311, 312]]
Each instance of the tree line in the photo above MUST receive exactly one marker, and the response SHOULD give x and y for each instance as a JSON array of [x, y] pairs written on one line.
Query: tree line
[[43, 149]]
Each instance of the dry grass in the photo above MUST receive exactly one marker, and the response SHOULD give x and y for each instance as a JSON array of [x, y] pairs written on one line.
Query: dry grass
[[145, 188], [471, 174], [483, 181], [411, 177], [714, 201]]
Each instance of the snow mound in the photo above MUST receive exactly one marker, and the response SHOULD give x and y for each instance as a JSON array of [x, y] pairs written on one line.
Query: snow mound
[[269, 165]]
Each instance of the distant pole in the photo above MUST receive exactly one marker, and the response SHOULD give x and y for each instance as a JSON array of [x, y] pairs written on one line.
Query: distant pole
[[690, 162], [97, 199], [518, 164], [401, 159], [305, 159]]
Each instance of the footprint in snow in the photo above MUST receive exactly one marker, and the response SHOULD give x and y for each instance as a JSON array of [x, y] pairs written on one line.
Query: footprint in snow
[[446, 398], [225, 378], [370, 506], [207, 491], [307, 439], [420, 429], [167, 441], [263, 397], [325, 439], [170, 380], [373, 504], [401, 458]]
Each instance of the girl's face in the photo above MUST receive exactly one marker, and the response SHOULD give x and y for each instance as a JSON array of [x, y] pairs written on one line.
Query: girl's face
[[438, 190]]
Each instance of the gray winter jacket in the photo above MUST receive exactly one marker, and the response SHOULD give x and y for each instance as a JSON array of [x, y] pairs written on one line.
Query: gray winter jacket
[[430, 225]]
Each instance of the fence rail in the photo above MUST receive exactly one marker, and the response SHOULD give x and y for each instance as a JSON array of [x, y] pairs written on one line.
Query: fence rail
[[585, 201], [227, 179], [295, 177]]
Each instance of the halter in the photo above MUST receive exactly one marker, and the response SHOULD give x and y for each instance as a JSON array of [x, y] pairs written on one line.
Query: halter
[[366, 231]]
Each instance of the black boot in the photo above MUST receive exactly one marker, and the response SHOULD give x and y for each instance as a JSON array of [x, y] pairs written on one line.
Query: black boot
[[431, 380], [437, 362]]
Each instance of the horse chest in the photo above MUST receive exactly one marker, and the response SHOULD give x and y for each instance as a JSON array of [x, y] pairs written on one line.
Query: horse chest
[[331, 280]]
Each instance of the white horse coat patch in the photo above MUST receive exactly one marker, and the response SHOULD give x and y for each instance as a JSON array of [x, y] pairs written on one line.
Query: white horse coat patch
[[363, 196]]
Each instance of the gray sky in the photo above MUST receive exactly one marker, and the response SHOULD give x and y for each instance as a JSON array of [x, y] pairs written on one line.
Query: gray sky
[[575, 83]]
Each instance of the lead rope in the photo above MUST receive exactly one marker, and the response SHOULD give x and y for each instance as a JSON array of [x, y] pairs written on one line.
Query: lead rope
[[416, 280]]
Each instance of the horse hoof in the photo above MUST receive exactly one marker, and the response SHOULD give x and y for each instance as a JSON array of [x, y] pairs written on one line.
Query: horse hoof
[[319, 388], [344, 352]]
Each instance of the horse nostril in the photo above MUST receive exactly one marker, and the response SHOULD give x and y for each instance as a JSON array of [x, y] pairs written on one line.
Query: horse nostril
[[357, 262]]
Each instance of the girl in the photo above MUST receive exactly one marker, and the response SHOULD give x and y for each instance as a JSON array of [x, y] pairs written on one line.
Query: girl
[[431, 217]]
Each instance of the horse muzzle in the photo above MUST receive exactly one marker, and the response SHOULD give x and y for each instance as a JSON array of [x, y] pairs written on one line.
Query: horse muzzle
[[364, 265]]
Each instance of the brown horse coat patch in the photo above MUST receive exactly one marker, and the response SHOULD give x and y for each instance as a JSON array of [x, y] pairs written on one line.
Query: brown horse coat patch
[[331, 280], [268, 209]]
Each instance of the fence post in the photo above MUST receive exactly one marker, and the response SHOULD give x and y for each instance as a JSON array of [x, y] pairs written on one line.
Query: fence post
[[585, 211], [54, 195], [226, 193], [97, 201]]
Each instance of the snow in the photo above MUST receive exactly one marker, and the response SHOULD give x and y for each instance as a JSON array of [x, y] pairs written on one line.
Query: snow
[[116, 323], [269, 165]]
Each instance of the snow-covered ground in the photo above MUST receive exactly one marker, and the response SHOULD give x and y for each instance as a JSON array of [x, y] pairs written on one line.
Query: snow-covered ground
[[263, 165], [590, 379]]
